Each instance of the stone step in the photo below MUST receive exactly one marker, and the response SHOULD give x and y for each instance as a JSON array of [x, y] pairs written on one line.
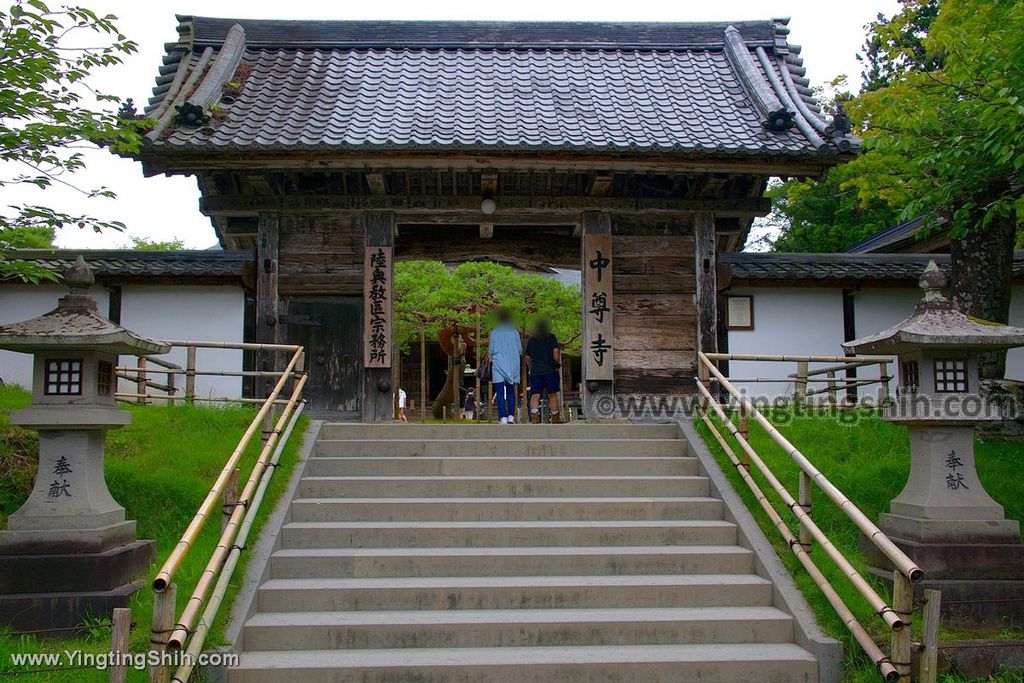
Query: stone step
[[509, 534], [313, 563], [525, 447], [514, 592], [341, 430], [496, 466], [501, 487], [730, 663], [503, 509], [516, 628]]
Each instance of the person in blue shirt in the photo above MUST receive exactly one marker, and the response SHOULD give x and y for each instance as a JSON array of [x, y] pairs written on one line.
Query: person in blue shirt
[[505, 348]]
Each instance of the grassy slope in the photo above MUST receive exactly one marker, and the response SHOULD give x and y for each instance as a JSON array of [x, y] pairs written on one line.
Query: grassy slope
[[160, 468], [869, 462]]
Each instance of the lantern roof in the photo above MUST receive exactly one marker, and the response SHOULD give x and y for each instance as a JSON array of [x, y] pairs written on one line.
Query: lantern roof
[[76, 324], [936, 323]]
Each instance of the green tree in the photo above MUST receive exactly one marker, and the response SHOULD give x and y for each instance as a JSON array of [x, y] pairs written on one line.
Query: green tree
[[895, 46], [951, 140], [49, 114], [144, 244]]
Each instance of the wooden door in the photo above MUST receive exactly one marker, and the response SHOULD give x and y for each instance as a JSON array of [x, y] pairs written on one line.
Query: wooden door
[[329, 329]]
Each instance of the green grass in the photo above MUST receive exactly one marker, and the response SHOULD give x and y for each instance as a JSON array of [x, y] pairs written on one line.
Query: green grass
[[868, 459], [160, 468]]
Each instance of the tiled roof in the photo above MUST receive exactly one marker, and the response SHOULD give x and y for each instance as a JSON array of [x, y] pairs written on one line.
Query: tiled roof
[[892, 237], [853, 267], [708, 89], [130, 263]]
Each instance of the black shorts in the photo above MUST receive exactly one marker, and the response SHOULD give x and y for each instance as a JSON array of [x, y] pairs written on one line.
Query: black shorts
[[550, 383]]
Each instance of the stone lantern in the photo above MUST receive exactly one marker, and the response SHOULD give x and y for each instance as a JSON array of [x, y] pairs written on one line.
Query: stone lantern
[[943, 518], [68, 552]]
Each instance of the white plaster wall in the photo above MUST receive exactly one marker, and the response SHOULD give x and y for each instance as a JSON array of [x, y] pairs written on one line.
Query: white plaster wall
[[194, 313], [1015, 357], [21, 302], [796, 320]]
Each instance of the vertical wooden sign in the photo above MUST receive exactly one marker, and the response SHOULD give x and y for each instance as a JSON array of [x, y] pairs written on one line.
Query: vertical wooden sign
[[598, 356], [378, 271]]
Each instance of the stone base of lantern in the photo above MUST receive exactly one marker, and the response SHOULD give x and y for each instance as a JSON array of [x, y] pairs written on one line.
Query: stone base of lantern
[[55, 593]]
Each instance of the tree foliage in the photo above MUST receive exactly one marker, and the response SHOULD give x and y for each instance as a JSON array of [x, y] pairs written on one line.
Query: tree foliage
[[144, 244], [895, 46], [431, 296], [49, 114]]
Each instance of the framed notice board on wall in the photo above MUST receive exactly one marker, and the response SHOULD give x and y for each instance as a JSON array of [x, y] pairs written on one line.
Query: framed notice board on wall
[[740, 311]]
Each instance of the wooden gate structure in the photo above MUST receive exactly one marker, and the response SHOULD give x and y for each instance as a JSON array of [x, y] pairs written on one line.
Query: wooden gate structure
[[635, 152]]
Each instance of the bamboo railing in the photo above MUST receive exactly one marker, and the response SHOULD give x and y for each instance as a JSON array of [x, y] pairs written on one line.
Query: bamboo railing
[[185, 633], [897, 616]]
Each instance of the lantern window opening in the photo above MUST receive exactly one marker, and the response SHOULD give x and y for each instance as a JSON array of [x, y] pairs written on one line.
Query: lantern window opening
[[950, 375], [909, 377], [104, 377], [63, 377]]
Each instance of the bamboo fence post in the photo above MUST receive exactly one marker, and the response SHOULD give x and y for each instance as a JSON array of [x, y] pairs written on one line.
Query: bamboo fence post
[[806, 487], [140, 381], [171, 387], [190, 373], [121, 628], [163, 624], [883, 374], [929, 668], [800, 385], [268, 424], [903, 606], [703, 374], [229, 499], [423, 373], [831, 387]]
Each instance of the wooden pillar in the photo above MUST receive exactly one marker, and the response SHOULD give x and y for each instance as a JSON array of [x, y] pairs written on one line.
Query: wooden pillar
[[704, 250], [267, 245], [598, 311], [377, 402]]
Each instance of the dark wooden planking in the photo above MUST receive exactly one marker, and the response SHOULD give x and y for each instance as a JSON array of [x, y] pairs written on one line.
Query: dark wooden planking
[[267, 297], [705, 259]]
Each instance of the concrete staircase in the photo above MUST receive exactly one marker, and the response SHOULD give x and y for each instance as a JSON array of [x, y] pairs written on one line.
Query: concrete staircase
[[479, 553]]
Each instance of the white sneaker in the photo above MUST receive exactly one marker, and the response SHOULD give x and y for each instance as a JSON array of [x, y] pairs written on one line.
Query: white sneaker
[[504, 420], [511, 420]]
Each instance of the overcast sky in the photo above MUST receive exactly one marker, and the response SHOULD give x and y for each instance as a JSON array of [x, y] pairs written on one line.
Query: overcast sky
[[162, 208]]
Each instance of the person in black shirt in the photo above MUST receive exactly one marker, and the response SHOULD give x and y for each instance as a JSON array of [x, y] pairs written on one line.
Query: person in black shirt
[[544, 360]]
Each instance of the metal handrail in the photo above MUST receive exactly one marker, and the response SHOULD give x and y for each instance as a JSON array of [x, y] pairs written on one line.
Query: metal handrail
[[172, 632], [896, 616]]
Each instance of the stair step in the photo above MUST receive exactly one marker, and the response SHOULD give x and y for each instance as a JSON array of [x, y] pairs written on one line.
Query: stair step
[[519, 628], [514, 592], [501, 487], [607, 432], [508, 509], [523, 447], [366, 562], [325, 466], [517, 533], [732, 663]]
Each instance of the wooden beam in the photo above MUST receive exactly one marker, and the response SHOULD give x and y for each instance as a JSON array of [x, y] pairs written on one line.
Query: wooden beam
[[176, 162], [600, 184], [597, 259], [267, 302], [469, 206], [705, 256], [489, 183]]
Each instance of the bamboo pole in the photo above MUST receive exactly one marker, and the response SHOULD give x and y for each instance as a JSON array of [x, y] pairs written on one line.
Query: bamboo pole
[[216, 373], [929, 668], [121, 622], [790, 359], [190, 613], [172, 389], [195, 646], [800, 386], [190, 373], [832, 388], [476, 375], [877, 537], [163, 622], [862, 637], [210, 399], [883, 374], [863, 587], [805, 505], [173, 561], [903, 606], [245, 346]]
